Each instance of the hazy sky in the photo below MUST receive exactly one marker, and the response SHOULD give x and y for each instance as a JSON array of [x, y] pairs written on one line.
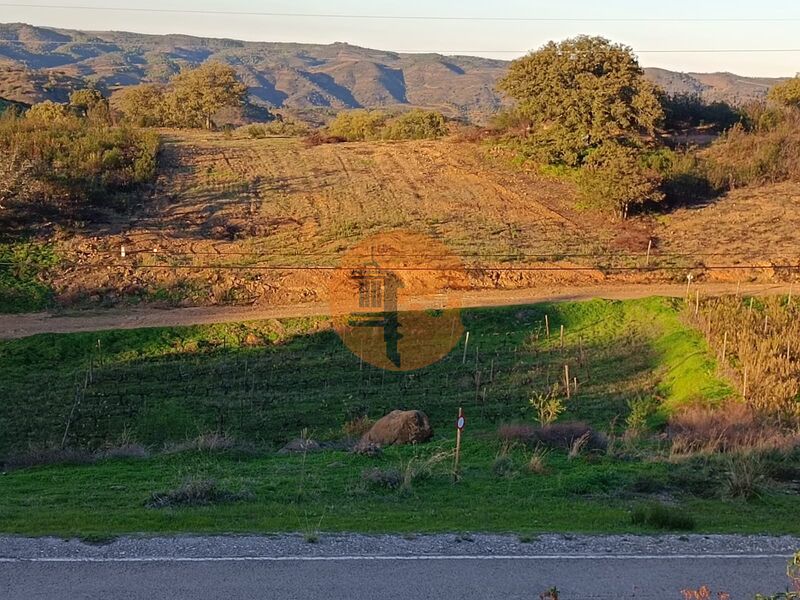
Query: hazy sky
[[473, 37]]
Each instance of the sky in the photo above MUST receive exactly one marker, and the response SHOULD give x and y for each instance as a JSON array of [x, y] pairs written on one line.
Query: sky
[[495, 39]]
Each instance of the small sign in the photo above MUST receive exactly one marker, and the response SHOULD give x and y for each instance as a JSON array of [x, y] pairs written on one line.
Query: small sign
[[461, 422]]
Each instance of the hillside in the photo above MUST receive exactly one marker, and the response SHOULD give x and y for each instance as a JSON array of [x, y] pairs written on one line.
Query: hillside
[[285, 75], [224, 207]]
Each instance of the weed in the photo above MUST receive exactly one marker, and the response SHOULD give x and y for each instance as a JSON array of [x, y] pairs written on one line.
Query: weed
[[551, 594], [640, 411], [503, 466], [537, 463], [745, 475], [355, 428]]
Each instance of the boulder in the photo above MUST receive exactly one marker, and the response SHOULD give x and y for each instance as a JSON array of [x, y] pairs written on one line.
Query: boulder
[[398, 427]]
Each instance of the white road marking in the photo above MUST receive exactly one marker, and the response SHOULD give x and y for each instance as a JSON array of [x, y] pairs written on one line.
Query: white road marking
[[165, 559]]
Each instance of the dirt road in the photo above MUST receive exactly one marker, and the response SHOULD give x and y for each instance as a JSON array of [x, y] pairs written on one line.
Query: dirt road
[[23, 325]]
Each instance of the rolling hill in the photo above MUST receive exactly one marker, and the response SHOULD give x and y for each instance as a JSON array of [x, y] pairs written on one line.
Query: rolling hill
[[38, 63]]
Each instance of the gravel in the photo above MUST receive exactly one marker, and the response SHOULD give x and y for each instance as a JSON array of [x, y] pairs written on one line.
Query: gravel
[[336, 545]]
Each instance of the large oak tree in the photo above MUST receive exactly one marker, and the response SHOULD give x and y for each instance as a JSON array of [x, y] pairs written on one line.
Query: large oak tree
[[581, 93]]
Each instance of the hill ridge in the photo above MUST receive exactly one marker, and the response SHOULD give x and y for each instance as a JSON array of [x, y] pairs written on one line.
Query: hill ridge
[[38, 63]]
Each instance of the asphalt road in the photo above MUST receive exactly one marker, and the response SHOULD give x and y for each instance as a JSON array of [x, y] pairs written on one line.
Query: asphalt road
[[387, 578]]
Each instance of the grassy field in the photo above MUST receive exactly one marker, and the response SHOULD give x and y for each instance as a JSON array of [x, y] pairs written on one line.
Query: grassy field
[[261, 384], [264, 382]]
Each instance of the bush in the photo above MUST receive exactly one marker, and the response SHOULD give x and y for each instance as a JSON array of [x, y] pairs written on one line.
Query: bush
[[195, 492], [365, 125], [275, 128], [745, 476], [503, 466], [769, 154], [548, 407], [71, 162], [355, 428], [557, 435], [417, 125], [664, 517], [391, 479], [614, 179], [358, 125], [566, 435]]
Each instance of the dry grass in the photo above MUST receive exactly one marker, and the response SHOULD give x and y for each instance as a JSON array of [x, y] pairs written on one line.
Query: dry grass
[[760, 341], [731, 428]]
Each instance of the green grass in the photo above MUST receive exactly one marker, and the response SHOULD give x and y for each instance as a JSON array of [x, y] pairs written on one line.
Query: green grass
[[325, 492], [262, 383]]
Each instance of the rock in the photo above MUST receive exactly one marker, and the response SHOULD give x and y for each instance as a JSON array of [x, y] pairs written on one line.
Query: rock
[[398, 427], [300, 445]]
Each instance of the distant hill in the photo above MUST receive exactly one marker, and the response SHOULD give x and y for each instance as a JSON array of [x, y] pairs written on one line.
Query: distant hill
[[39, 63]]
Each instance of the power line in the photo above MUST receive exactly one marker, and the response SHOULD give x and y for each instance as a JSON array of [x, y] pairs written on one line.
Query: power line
[[407, 17]]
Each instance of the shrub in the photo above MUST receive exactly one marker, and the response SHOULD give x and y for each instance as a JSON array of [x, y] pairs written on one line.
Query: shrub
[[355, 428], [72, 161], [503, 466], [537, 463], [640, 411], [365, 125], [787, 93], [745, 475], [682, 111], [565, 436], [516, 433], [416, 125], [661, 516], [384, 478], [548, 407], [614, 179], [358, 125], [769, 154], [195, 492], [279, 127]]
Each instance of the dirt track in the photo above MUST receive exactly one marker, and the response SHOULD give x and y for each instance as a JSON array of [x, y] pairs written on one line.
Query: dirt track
[[19, 326]]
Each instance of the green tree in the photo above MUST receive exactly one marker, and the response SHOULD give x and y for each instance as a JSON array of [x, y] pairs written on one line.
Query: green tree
[[142, 105], [199, 93], [613, 178], [90, 104], [787, 93], [581, 93]]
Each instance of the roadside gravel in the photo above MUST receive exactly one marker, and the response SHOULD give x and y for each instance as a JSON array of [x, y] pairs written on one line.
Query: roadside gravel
[[338, 545]]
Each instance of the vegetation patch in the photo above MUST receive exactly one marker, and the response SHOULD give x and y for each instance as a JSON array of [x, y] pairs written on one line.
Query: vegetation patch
[[196, 492]]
